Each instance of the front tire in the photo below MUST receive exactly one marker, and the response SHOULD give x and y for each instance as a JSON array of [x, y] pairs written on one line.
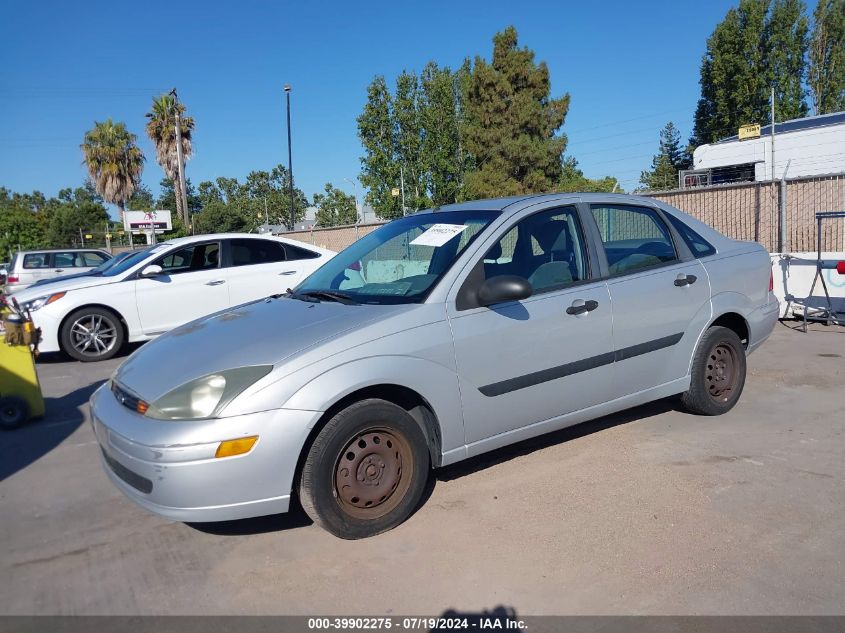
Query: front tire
[[366, 470], [92, 334], [718, 373]]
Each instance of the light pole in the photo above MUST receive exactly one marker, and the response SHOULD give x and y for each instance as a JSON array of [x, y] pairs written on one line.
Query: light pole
[[290, 158], [358, 218]]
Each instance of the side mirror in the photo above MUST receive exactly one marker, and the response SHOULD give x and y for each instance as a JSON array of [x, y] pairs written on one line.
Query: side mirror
[[504, 288], [153, 270]]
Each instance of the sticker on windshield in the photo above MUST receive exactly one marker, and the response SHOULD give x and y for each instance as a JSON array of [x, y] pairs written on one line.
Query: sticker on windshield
[[438, 234]]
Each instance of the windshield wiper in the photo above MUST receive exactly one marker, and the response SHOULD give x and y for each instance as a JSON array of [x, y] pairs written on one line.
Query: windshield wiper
[[323, 295]]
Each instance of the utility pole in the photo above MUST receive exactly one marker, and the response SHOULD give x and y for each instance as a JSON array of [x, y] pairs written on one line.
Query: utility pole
[[290, 158], [358, 218], [180, 159], [774, 194], [81, 237], [402, 184], [773, 134]]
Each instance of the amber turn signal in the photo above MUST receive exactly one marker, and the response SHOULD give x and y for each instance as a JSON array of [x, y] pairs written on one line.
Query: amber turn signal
[[229, 448]]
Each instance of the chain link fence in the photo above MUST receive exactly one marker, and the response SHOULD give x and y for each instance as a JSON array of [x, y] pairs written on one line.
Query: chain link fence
[[744, 211], [753, 210]]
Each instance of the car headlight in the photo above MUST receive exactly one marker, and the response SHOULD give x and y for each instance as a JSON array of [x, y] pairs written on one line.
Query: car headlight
[[205, 397], [39, 302]]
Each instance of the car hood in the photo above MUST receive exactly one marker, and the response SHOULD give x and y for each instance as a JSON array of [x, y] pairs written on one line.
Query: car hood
[[62, 285], [265, 332]]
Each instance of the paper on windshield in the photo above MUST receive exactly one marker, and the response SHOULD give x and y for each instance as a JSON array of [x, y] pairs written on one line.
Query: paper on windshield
[[438, 234]]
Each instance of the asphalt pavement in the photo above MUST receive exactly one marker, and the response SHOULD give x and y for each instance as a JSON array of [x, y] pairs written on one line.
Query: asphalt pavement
[[651, 511]]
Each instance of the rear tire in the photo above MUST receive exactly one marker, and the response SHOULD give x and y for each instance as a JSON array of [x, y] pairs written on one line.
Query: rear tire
[[366, 470], [718, 373], [92, 334], [14, 412]]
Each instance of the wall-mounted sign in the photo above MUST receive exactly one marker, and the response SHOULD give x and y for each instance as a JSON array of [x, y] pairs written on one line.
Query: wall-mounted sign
[[749, 131]]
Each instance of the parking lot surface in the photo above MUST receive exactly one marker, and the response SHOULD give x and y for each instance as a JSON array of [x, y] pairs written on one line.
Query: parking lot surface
[[649, 511]]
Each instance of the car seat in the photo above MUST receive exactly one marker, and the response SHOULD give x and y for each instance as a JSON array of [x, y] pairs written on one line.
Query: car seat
[[558, 259]]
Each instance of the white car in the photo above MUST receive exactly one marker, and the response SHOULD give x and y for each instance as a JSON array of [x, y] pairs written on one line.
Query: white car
[[158, 289]]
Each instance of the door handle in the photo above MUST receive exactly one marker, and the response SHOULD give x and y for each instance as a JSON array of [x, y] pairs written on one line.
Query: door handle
[[685, 280], [288, 272], [216, 282], [59, 270], [579, 306]]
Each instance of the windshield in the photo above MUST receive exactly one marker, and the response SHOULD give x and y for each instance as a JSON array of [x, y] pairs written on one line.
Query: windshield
[[126, 263], [401, 261]]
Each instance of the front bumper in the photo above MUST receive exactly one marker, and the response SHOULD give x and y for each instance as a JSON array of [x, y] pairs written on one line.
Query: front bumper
[[169, 468]]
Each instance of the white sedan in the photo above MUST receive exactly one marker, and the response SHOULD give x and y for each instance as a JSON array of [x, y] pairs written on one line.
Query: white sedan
[[156, 290]]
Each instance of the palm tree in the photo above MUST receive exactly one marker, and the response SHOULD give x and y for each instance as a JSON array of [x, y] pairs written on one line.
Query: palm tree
[[161, 128], [114, 161]]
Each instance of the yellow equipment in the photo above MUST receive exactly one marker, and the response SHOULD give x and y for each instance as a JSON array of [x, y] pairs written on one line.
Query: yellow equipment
[[20, 392]]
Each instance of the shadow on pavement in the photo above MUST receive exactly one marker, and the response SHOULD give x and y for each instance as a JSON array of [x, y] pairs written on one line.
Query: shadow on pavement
[[525, 447], [21, 447], [294, 518]]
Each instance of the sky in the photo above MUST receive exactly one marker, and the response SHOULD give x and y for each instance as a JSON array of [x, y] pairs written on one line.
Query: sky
[[629, 67]]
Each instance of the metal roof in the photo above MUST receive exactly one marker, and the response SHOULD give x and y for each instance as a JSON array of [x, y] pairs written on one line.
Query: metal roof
[[795, 125]]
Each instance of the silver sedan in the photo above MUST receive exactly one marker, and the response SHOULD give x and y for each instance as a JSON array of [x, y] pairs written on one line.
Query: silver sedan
[[439, 336]]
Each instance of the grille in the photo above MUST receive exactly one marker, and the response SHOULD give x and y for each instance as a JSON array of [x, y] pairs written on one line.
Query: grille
[[127, 399]]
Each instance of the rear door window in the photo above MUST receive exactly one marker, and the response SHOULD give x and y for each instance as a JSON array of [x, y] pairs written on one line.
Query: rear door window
[[252, 252], [634, 238]]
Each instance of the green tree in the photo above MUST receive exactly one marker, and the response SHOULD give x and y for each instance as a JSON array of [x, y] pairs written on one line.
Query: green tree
[[114, 161], [75, 214], [826, 76], [335, 207], [168, 198], [19, 226], [141, 200], [573, 179], [444, 162], [759, 45], [785, 43], [379, 167], [409, 139], [161, 129], [670, 158], [219, 217], [511, 123]]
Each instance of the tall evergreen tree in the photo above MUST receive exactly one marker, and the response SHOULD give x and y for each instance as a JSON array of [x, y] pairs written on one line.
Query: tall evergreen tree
[[826, 76], [671, 157], [440, 113], [785, 43], [760, 45], [511, 123], [379, 167], [409, 139]]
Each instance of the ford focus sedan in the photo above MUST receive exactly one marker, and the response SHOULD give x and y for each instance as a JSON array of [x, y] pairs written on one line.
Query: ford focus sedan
[[437, 337]]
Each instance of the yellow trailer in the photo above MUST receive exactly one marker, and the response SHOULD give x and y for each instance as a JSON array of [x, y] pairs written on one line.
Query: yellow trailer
[[20, 391]]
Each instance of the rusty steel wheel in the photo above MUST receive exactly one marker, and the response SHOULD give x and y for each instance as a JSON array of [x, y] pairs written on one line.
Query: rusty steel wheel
[[366, 470], [717, 373], [369, 480], [721, 375]]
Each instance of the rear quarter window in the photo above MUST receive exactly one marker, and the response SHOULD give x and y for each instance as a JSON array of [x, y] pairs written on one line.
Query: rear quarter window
[[36, 260], [296, 252], [697, 244]]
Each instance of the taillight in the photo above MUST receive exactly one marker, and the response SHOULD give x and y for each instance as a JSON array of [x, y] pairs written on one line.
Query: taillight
[[771, 281], [13, 279], [840, 268]]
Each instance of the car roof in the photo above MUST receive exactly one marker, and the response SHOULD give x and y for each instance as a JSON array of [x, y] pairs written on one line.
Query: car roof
[[63, 250], [191, 239], [500, 204]]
